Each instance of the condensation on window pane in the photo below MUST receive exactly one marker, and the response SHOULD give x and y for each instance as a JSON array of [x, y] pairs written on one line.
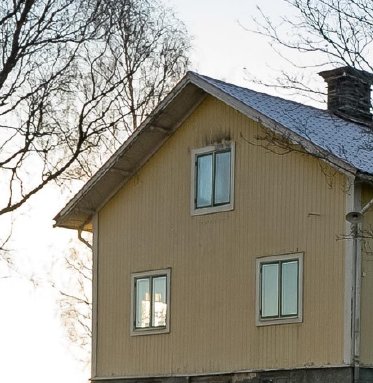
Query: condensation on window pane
[[159, 301], [222, 177], [204, 181], [269, 290], [142, 302], [289, 290]]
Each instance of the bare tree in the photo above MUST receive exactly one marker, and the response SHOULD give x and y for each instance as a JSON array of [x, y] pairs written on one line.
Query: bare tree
[[149, 46], [75, 76], [145, 53], [76, 301], [318, 34], [6, 261]]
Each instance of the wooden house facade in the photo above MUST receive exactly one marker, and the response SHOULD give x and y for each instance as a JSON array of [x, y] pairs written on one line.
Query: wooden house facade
[[222, 252]]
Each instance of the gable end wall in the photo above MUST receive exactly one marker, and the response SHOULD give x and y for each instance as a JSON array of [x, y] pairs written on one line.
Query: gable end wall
[[283, 204]]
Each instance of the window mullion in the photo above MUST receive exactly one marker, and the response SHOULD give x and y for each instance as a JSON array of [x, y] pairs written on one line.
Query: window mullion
[[151, 301]]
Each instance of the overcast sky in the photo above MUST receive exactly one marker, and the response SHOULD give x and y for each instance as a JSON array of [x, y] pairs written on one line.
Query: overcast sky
[[222, 48], [33, 347]]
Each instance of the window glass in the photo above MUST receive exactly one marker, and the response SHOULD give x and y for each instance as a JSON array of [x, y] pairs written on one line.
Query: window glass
[[222, 177], [159, 301], [269, 290], [142, 302], [289, 288], [204, 181]]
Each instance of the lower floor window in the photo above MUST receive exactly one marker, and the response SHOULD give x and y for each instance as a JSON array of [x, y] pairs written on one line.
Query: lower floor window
[[150, 292], [279, 285]]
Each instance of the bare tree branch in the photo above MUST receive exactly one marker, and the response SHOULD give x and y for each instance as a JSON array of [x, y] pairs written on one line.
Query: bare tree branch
[[76, 76], [322, 33]]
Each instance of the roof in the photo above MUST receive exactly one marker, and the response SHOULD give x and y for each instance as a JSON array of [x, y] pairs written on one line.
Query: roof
[[345, 144]]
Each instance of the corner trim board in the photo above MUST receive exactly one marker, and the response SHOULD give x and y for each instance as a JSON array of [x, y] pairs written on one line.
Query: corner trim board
[[95, 223]]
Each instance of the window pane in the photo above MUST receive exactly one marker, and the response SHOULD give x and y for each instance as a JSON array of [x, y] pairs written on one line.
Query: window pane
[[159, 301], [289, 291], [269, 290], [142, 302], [222, 177], [204, 181]]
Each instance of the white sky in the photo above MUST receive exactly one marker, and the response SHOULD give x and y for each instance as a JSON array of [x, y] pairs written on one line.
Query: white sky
[[33, 347], [222, 48]]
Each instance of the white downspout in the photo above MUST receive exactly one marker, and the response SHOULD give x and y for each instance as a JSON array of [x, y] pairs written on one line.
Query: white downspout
[[355, 219], [356, 301]]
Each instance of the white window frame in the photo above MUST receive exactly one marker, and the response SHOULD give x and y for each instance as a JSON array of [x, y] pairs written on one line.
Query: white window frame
[[150, 330], [205, 150], [287, 319]]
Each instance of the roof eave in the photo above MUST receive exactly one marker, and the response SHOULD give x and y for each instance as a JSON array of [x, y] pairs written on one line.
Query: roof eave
[[155, 130]]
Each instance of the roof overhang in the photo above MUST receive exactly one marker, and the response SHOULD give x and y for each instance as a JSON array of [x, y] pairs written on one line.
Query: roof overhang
[[131, 156], [152, 134]]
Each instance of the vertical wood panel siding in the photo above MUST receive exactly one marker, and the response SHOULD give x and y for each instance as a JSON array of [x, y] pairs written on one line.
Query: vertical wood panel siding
[[148, 226], [367, 283]]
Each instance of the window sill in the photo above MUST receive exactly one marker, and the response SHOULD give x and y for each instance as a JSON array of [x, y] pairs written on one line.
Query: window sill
[[212, 209], [279, 321], [150, 331]]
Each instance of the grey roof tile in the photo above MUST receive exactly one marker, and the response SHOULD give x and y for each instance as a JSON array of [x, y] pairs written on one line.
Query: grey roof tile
[[349, 141]]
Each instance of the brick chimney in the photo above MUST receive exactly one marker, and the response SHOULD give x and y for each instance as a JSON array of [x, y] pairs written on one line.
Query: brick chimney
[[349, 93]]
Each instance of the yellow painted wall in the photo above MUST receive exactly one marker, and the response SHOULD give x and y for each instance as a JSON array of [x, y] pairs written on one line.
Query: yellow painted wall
[[282, 204]]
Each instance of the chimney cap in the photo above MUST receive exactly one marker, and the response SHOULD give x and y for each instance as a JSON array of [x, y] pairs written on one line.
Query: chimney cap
[[347, 71]]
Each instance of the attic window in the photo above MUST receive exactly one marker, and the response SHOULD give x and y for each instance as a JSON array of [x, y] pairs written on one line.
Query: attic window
[[212, 179]]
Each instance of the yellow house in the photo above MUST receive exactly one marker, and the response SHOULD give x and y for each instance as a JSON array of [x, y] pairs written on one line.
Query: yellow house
[[231, 239]]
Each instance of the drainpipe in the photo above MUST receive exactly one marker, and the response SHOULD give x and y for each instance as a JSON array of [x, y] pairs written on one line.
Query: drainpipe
[[356, 302], [355, 219]]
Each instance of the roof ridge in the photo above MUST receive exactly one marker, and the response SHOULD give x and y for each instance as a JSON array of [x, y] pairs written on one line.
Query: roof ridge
[[296, 103]]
